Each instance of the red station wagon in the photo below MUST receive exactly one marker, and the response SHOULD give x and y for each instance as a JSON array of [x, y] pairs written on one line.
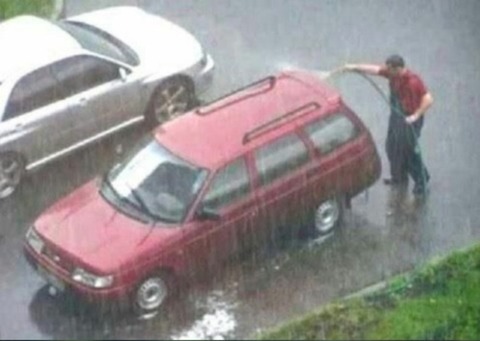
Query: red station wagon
[[207, 186]]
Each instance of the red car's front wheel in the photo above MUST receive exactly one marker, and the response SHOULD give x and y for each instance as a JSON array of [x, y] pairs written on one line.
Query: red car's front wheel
[[152, 293]]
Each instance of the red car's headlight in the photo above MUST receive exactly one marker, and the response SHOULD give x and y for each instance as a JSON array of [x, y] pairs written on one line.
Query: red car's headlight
[[34, 240], [87, 278]]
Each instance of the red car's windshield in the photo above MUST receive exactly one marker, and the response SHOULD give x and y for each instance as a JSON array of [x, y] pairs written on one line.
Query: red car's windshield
[[157, 182]]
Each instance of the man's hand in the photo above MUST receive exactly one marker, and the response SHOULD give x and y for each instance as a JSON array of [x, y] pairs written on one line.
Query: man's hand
[[412, 118], [427, 101]]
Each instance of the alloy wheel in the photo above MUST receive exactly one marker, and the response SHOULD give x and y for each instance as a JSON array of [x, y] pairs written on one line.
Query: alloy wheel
[[170, 102], [11, 169]]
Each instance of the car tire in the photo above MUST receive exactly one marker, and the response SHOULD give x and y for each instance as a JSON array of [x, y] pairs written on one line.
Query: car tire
[[153, 293], [172, 98], [12, 169], [328, 216]]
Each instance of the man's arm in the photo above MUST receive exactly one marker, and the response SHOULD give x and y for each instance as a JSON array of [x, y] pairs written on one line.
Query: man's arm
[[365, 68], [425, 104]]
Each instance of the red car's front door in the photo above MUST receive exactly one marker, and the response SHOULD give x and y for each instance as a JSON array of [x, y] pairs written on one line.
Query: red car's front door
[[229, 196]]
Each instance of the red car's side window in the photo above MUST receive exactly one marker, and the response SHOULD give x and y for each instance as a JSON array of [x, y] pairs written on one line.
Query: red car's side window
[[280, 157], [331, 132], [228, 186]]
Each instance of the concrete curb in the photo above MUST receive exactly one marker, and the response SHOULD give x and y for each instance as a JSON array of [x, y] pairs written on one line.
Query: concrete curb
[[58, 10], [383, 284], [368, 290]]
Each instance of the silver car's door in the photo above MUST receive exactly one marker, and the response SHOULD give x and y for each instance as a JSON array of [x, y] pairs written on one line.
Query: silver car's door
[[33, 123], [99, 96]]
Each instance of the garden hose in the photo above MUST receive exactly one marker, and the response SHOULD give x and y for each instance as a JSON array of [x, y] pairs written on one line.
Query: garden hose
[[382, 94]]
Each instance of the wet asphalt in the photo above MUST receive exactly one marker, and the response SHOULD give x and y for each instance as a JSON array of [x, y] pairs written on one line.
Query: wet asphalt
[[385, 233]]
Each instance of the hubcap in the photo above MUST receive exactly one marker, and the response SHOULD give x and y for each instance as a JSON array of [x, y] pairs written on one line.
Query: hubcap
[[151, 294], [171, 102], [327, 216], [10, 174]]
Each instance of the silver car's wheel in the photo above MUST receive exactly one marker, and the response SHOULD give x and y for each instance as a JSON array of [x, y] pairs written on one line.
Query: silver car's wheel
[[11, 171], [327, 216], [151, 294], [170, 100]]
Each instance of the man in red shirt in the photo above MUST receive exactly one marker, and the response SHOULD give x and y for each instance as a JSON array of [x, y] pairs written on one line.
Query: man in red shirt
[[409, 100]]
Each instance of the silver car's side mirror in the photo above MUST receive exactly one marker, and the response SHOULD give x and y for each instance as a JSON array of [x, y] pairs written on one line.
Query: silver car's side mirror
[[123, 73]]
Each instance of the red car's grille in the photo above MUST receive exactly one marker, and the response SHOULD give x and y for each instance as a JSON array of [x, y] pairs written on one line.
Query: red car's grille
[[57, 259]]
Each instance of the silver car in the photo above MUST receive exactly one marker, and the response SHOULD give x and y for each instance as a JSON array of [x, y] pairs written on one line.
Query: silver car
[[69, 83]]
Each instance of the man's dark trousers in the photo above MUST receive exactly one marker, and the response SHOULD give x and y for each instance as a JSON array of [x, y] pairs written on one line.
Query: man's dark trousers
[[402, 150]]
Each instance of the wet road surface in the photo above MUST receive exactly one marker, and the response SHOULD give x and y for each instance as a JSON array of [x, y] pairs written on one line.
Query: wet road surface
[[248, 40]]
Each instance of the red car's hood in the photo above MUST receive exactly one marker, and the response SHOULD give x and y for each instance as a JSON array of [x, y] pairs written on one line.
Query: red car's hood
[[89, 229]]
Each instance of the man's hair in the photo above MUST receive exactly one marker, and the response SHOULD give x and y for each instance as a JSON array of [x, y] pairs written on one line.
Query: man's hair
[[395, 61]]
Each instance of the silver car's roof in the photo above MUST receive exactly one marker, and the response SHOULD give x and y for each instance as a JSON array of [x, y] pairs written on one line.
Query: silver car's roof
[[27, 42]]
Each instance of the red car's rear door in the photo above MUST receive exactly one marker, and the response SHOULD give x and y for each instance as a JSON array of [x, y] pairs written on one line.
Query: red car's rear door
[[281, 167], [337, 167]]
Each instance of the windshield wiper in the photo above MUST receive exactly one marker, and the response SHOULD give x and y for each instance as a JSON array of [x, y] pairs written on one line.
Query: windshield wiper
[[107, 182], [143, 205]]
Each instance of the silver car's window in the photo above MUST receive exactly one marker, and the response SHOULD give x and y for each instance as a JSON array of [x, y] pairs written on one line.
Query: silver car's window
[[331, 132], [95, 40], [31, 92], [157, 182], [78, 74], [228, 186], [280, 157]]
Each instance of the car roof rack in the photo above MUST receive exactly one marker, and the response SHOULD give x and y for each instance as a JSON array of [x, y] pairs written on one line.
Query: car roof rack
[[271, 83], [273, 123]]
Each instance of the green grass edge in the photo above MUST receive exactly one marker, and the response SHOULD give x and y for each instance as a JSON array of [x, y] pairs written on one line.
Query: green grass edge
[[439, 300], [12, 8]]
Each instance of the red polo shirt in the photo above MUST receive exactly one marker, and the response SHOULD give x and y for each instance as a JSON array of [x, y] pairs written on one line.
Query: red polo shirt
[[409, 87]]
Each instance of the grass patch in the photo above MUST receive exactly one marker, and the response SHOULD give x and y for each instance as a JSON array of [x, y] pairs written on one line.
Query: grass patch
[[440, 301], [11, 8]]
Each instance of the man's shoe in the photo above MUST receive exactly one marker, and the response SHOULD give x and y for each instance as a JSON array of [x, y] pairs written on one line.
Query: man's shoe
[[420, 192]]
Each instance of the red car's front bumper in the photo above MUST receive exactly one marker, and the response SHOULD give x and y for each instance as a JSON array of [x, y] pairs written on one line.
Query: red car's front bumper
[[60, 279]]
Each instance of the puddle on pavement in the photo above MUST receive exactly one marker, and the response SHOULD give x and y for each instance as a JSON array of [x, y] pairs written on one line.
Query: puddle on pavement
[[216, 313], [218, 322]]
